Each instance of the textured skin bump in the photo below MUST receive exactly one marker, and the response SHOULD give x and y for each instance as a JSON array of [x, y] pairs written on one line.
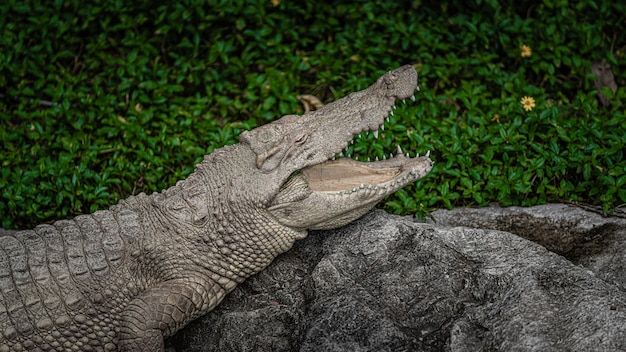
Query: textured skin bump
[[48, 280]]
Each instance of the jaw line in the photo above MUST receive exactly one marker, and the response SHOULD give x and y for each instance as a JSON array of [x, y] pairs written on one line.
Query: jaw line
[[344, 175], [334, 193]]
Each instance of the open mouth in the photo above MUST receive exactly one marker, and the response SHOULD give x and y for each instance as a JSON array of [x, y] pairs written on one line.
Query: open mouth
[[343, 175], [331, 189], [333, 192], [339, 190]]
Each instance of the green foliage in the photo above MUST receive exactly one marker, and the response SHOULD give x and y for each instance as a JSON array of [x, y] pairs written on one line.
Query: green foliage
[[110, 98]]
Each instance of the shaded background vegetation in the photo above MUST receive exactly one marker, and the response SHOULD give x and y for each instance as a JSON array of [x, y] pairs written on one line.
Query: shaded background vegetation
[[104, 99]]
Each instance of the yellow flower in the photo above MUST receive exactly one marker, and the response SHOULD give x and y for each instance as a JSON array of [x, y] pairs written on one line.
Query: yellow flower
[[526, 51], [528, 103]]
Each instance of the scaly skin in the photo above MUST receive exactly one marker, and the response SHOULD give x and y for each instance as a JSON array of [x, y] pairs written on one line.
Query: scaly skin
[[127, 277]]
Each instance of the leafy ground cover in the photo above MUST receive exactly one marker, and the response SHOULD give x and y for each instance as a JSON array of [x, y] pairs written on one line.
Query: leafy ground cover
[[104, 99]]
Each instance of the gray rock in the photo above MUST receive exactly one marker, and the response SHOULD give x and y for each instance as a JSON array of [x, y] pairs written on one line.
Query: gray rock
[[388, 283], [583, 237]]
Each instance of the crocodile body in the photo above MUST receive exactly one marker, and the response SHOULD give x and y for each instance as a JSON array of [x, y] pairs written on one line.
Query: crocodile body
[[125, 278]]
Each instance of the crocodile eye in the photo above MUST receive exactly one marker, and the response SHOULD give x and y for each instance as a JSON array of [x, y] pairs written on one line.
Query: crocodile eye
[[301, 138]]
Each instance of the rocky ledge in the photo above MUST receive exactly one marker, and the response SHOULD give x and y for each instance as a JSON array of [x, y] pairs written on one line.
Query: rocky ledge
[[547, 278]]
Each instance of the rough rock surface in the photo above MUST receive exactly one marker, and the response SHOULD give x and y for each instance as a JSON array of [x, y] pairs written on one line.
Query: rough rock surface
[[388, 283], [584, 238]]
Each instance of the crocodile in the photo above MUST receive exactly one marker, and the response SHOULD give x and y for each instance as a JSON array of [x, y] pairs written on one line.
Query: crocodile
[[126, 278]]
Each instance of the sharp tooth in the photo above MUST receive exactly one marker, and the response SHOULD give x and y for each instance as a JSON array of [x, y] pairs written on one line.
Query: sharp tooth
[[428, 154], [387, 119], [350, 156], [333, 158], [413, 97], [384, 157], [362, 186], [407, 155], [417, 155], [367, 133], [393, 107], [417, 88], [391, 113], [403, 101], [341, 155], [352, 141], [382, 127], [399, 150], [376, 158], [390, 155], [376, 134], [368, 159]]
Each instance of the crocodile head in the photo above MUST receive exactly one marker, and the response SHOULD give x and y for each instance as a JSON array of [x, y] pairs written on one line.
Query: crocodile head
[[297, 153]]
